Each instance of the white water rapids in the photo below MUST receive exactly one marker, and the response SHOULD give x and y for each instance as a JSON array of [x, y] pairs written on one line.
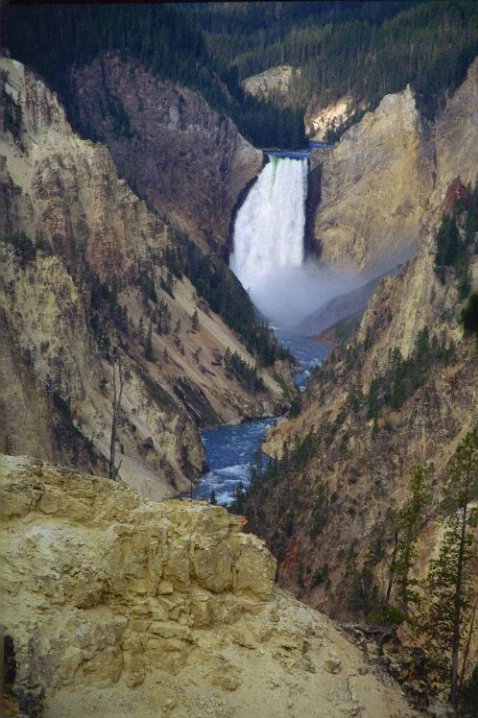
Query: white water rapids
[[268, 248]]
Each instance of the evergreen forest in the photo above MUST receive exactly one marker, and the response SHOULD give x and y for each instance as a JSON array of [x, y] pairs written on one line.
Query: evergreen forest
[[362, 50]]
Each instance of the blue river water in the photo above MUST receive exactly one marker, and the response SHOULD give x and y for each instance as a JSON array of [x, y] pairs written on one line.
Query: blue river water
[[230, 449], [307, 352]]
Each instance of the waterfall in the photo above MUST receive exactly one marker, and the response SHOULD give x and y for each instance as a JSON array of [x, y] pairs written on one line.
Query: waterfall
[[268, 251], [269, 228], [268, 240]]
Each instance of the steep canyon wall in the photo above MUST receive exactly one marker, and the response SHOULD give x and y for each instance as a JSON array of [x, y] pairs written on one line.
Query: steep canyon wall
[[83, 271], [186, 160], [365, 462], [375, 186]]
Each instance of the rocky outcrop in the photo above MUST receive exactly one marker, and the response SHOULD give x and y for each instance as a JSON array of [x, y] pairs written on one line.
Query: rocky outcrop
[[385, 176], [83, 273], [450, 160], [319, 121], [375, 187], [114, 605], [274, 82], [455, 136], [186, 160]]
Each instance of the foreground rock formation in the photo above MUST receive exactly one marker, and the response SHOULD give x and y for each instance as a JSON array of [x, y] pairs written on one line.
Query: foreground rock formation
[[117, 606], [83, 273]]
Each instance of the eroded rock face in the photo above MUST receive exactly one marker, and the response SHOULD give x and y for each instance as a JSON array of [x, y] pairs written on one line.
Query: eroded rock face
[[456, 133], [79, 250], [186, 160], [274, 81], [366, 464], [380, 183], [375, 187], [319, 121], [117, 606]]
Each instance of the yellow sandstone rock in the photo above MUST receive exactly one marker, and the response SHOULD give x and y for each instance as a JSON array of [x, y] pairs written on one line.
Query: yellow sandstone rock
[[121, 606]]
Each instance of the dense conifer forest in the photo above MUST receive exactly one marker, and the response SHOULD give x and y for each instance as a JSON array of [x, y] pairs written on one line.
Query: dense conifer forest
[[362, 49], [359, 49]]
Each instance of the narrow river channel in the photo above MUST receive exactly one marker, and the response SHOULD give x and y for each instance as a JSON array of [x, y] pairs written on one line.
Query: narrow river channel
[[230, 449]]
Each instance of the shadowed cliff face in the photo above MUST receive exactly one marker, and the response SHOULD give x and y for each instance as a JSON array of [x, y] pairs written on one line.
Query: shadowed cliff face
[[117, 606], [182, 157], [83, 272]]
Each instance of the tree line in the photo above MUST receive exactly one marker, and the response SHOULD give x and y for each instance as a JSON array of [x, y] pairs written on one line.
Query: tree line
[[364, 50]]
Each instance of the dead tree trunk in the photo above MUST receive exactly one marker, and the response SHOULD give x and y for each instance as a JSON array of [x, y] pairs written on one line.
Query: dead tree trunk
[[117, 392]]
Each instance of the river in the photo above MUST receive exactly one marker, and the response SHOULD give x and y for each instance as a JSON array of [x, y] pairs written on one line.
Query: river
[[268, 257], [230, 449]]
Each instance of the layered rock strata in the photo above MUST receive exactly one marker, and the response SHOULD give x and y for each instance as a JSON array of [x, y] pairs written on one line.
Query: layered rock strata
[[117, 606], [84, 274]]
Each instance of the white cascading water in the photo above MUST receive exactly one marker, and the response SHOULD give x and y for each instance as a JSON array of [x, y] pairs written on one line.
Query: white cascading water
[[269, 228], [268, 247]]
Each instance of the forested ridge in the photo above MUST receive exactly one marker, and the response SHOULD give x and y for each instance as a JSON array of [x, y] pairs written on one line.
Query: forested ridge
[[363, 50]]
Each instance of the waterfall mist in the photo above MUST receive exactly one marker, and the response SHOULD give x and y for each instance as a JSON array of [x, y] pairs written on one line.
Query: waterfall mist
[[268, 248]]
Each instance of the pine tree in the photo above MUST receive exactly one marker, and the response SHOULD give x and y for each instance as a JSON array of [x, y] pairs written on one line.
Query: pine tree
[[469, 315], [448, 587], [409, 520], [115, 411], [195, 321], [148, 344]]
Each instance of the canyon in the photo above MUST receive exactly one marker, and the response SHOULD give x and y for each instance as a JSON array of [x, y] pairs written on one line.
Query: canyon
[[364, 464], [84, 275], [179, 607], [184, 159]]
